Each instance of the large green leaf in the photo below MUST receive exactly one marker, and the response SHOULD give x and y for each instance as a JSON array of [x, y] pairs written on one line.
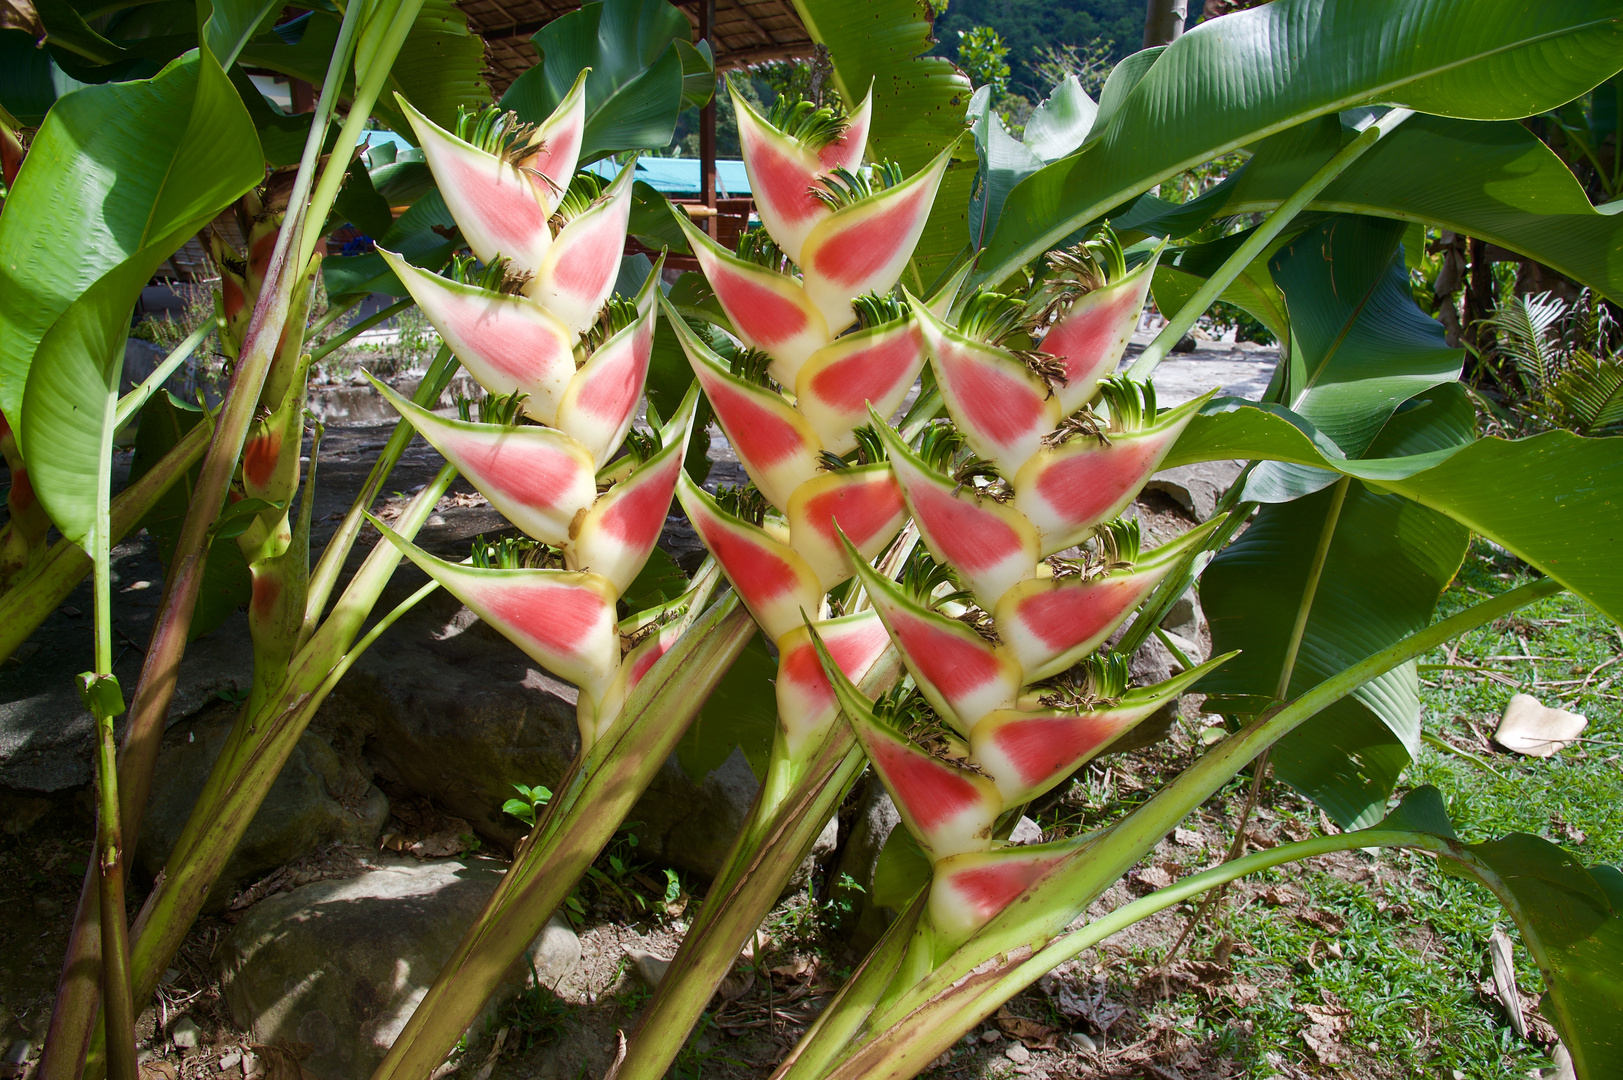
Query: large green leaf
[[440, 68], [1360, 346], [1571, 919], [1004, 162], [1493, 180], [636, 88], [1233, 81], [1552, 499], [119, 175], [1388, 562], [29, 81], [231, 23], [412, 235], [919, 106]]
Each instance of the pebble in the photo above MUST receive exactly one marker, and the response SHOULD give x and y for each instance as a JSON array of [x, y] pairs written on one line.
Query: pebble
[[1083, 1042], [45, 907], [990, 1035], [183, 1032], [1017, 1053], [169, 976], [230, 1059], [17, 1053]]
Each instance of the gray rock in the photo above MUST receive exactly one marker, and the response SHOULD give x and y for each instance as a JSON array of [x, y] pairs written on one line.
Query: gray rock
[[454, 711], [827, 842], [1185, 617], [869, 828], [1197, 487], [45, 732], [341, 965], [317, 800], [184, 1033]]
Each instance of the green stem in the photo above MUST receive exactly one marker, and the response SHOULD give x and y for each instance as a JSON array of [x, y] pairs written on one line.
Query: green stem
[[1260, 238], [782, 827], [907, 1047], [589, 805], [325, 576], [355, 331], [367, 88], [1053, 902], [1311, 588], [332, 315], [131, 403]]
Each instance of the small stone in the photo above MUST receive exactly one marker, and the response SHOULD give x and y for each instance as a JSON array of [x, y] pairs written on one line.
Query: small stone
[[1017, 1053], [230, 1059], [169, 976], [17, 1052], [183, 1032], [649, 968], [46, 907], [1083, 1042], [991, 1035]]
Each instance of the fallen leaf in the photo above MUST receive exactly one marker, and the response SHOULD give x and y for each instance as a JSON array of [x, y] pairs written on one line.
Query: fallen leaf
[[1328, 921], [157, 1070], [1188, 838], [1148, 880], [1326, 1023], [1035, 1036], [795, 970], [1530, 727], [1279, 895]]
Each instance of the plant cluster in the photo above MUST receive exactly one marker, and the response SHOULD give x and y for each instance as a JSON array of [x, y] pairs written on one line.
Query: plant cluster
[[940, 445]]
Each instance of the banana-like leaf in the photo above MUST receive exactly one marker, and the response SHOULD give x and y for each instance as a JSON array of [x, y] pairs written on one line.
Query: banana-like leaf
[[1489, 60], [1360, 345], [636, 86], [412, 236], [118, 176], [1489, 179], [919, 104], [1389, 561], [1005, 161], [1518, 493]]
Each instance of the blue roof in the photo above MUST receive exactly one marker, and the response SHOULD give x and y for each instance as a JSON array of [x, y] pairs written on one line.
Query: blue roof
[[680, 176]]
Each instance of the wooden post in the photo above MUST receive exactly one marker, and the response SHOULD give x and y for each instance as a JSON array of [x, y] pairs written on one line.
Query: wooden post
[[707, 123], [1163, 21]]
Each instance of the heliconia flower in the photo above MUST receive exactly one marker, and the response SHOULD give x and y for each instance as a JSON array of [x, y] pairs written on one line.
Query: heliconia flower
[[845, 152], [539, 478], [776, 585], [960, 673], [991, 545], [875, 365], [615, 536], [769, 311], [500, 208], [577, 273], [806, 702], [863, 502], [636, 663], [564, 620], [1027, 752], [600, 401], [1065, 491], [507, 343], [555, 144], [1049, 624], [950, 808], [968, 889], [863, 247], [775, 444], [1002, 409], [781, 171], [1091, 337]]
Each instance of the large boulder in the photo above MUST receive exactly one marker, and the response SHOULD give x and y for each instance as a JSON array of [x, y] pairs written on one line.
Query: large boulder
[[317, 799], [341, 965], [454, 711]]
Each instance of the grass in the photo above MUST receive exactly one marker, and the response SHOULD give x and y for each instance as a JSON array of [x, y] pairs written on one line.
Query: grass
[[1411, 939]]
